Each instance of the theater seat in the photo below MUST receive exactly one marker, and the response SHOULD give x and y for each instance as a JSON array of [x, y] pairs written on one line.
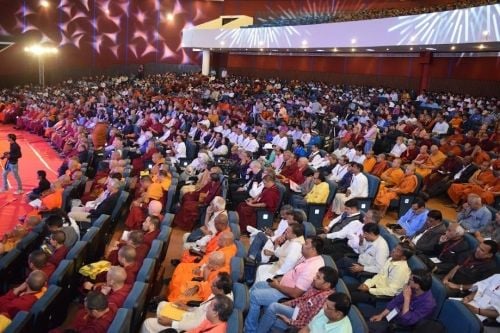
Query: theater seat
[[78, 254], [135, 301], [316, 212], [11, 269], [439, 292], [50, 310], [235, 229], [167, 220], [456, 317], [241, 251], [164, 234], [21, 323], [93, 250], [122, 321], [358, 323], [373, 185], [237, 268], [155, 250], [64, 277], [416, 263], [241, 297], [147, 272], [329, 261], [235, 322], [233, 217], [119, 205], [309, 229], [341, 287]]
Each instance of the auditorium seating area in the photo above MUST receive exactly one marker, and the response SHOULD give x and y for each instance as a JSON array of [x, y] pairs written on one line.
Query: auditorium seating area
[[177, 125]]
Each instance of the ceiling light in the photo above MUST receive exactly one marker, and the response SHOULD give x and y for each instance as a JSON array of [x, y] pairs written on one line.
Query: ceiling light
[[452, 48], [170, 17], [261, 43], [353, 49], [481, 46], [45, 4], [222, 42], [320, 50], [353, 41], [335, 50], [486, 33], [261, 50], [430, 49], [411, 48], [370, 50], [387, 49], [106, 11], [40, 50], [304, 42]]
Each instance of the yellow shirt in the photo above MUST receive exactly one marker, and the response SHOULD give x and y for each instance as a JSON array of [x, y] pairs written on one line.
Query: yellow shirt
[[318, 194]]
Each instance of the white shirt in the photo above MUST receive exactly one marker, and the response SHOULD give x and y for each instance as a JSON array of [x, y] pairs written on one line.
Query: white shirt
[[488, 295], [339, 152], [338, 172], [398, 149], [276, 139], [251, 146], [350, 232], [306, 137], [221, 150], [350, 154], [359, 186], [316, 161], [359, 158], [180, 150], [440, 128], [283, 142], [373, 255]]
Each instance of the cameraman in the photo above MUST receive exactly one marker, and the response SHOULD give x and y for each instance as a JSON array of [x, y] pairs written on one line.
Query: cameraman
[[12, 164]]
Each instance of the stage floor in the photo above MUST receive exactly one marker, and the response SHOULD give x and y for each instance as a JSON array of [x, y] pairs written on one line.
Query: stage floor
[[37, 155]]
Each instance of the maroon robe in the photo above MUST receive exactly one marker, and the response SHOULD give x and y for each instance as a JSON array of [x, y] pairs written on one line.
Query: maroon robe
[[248, 215], [58, 255], [149, 237], [118, 297], [83, 323], [140, 250], [188, 213], [11, 304]]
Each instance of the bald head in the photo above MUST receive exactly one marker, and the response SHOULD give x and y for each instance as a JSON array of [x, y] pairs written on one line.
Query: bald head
[[127, 255], [116, 276], [226, 239], [36, 280], [396, 163], [221, 222], [216, 259], [155, 207]]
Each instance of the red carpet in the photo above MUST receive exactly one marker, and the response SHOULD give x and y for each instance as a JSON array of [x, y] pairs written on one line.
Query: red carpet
[[37, 155]]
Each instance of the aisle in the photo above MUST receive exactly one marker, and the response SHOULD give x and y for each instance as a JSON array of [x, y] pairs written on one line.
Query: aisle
[[37, 155]]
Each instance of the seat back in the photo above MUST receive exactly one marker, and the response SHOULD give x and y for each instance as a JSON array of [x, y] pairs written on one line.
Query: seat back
[[241, 297], [391, 240], [235, 322], [11, 269], [30, 242], [135, 301], [237, 268], [329, 261], [92, 238], [155, 250], [121, 322], [21, 323], [241, 251], [119, 205], [167, 219], [233, 217], [439, 292], [341, 287], [235, 229], [309, 229], [416, 263], [471, 240], [50, 310], [225, 187], [456, 317], [66, 202], [64, 277], [147, 272], [358, 323], [78, 254], [373, 185], [164, 234], [170, 198]]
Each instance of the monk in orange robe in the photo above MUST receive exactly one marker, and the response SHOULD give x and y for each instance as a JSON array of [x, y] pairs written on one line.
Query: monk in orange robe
[[408, 185], [432, 162], [52, 200], [479, 156], [450, 146], [197, 285], [394, 175], [369, 162], [221, 225], [482, 178]]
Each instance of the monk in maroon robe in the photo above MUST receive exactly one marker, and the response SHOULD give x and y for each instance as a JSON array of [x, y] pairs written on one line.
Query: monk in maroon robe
[[268, 199], [24, 296]]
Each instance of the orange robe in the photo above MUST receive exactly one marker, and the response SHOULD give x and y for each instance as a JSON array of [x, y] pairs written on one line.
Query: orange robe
[[183, 275], [211, 247], [392, 176], [456, 192], [368, 164], [384, 196], [50, 202], [480, 157], [433, 162]]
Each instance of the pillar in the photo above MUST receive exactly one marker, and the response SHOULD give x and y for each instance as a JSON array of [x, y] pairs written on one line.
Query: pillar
[[425, 62], [205, 64]]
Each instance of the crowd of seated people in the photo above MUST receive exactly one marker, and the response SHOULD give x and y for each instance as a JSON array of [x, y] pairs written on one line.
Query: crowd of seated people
[[286, 143], [339, 15]]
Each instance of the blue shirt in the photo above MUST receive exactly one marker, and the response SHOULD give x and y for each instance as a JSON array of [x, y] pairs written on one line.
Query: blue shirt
[[474, 220], [321, 324], [412, 222], [421, 307]]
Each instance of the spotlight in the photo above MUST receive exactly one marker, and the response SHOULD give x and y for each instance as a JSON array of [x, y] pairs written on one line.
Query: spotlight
[[335, 50], [222, 42], [453, 47], [486, 33], [44, 3], [481, 46], [304, 42], [411, 48], [170, 17], [353, 41], [353, 50]]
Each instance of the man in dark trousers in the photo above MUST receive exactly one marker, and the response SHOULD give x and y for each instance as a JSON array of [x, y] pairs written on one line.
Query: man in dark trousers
[[12, 157]]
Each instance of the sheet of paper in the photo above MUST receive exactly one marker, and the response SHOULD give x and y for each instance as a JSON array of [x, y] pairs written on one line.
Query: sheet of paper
[[37, 203]]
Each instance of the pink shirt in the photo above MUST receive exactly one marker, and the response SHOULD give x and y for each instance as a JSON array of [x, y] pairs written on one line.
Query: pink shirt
[[301, 276]]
